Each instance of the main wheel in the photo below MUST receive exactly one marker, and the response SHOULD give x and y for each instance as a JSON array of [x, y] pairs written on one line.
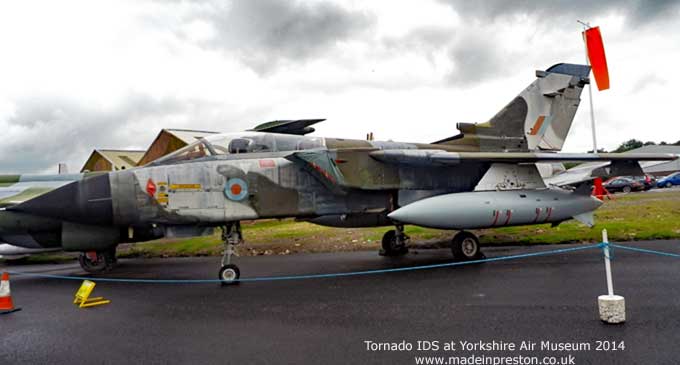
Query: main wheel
[[465, 247], [390, 245], [229, 274], [95, 261]]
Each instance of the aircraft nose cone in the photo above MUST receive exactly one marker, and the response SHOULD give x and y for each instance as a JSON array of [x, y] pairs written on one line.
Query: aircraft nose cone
[[85, 201]]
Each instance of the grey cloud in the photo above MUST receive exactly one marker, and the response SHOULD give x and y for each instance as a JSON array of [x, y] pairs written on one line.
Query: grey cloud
[[475, 59], [637, 12], [55, 129], [646, 81], [46, 130], [424, 40], [265, 34]]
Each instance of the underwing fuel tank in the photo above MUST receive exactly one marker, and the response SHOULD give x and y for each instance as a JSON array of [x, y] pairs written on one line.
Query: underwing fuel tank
[[488, 209]]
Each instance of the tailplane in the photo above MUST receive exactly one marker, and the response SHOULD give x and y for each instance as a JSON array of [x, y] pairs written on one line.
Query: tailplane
[[539, 118]]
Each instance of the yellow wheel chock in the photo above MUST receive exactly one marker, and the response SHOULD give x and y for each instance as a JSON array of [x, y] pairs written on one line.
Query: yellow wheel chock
[[82, 298]]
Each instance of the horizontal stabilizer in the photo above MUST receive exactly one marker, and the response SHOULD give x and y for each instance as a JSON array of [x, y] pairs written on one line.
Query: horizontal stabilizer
[[604, 169]]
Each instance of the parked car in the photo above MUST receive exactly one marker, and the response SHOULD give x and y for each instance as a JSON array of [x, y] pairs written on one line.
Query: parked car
[[668, 181], [646, 180], [623, 184]]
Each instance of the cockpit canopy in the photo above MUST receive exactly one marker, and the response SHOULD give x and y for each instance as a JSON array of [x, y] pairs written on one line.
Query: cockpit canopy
[[237, 143]]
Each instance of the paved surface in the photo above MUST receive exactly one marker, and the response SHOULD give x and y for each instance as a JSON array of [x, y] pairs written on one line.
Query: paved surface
[[327, 320]]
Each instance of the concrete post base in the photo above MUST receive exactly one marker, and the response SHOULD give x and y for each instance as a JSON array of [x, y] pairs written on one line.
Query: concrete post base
[[612, 308]]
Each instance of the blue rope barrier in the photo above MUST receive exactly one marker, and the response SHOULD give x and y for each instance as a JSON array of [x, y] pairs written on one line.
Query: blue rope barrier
[[312, 276], [643, 250]]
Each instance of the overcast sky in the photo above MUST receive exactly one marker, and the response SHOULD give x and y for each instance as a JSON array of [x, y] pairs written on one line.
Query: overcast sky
[[79, 75]]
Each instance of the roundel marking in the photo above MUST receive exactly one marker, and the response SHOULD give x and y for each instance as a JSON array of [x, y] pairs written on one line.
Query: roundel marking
[[236, 189]]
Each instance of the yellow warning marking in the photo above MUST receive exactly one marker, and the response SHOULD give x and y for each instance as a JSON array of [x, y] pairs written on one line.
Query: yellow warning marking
[[83, 299], [185, 186]]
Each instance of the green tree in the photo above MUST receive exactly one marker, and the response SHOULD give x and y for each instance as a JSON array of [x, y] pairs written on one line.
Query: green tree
[[628, 145]]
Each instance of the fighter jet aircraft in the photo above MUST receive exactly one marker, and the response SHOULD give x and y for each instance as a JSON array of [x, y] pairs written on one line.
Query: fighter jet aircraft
[[484, 177]]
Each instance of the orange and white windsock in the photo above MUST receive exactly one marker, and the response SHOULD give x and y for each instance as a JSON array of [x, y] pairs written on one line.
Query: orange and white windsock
[[598, 60], [6, 304]]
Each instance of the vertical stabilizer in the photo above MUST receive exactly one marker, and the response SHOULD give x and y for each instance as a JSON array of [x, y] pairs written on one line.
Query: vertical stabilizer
[[539, 118]]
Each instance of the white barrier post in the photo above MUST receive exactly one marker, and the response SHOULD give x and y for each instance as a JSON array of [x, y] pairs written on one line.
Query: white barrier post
[[612, 307]]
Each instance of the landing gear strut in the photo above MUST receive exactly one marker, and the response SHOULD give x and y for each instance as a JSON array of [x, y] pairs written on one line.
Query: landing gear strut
[[98, 261], [465, 247], [394, 242], [231, 236]]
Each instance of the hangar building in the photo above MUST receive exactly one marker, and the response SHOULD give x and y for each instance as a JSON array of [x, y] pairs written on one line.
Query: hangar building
[[112, 160], [661, 169], [167, 141]]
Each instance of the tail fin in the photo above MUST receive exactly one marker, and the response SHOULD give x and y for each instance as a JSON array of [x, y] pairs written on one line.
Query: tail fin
[[539, 118]]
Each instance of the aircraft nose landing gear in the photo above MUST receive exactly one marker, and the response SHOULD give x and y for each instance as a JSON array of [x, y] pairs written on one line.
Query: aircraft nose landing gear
[[394, 242], [231, 235]]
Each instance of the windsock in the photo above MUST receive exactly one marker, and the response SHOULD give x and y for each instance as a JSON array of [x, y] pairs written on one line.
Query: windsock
[[6, 305], [598, 60]]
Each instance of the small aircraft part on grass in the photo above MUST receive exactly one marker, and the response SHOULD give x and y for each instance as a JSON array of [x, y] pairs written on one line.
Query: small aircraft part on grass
[[482, 178]]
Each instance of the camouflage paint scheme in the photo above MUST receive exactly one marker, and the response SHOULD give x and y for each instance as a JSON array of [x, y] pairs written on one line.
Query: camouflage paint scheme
[[258, 174], [42, 231]]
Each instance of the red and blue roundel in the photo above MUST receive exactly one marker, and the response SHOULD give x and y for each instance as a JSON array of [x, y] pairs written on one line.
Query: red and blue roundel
[[236, 189]]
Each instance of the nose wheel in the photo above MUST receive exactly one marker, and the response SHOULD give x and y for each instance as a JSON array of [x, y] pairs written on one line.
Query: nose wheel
[[229, 273], [394, 242]]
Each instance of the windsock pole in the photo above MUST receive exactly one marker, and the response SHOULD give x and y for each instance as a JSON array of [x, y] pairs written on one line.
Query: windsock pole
[[590, 90]]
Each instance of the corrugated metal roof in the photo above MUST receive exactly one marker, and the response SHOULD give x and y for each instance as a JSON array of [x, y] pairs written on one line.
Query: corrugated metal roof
[[122, 159], [659, 148], [665, 167]]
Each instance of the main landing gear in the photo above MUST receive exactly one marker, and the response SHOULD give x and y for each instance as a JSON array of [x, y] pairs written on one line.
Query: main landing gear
[[231, 236], [394, 242], [465, 247], [98, 261]]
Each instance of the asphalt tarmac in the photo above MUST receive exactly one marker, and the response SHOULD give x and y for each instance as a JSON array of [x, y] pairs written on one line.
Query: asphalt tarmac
[[327, 321]]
